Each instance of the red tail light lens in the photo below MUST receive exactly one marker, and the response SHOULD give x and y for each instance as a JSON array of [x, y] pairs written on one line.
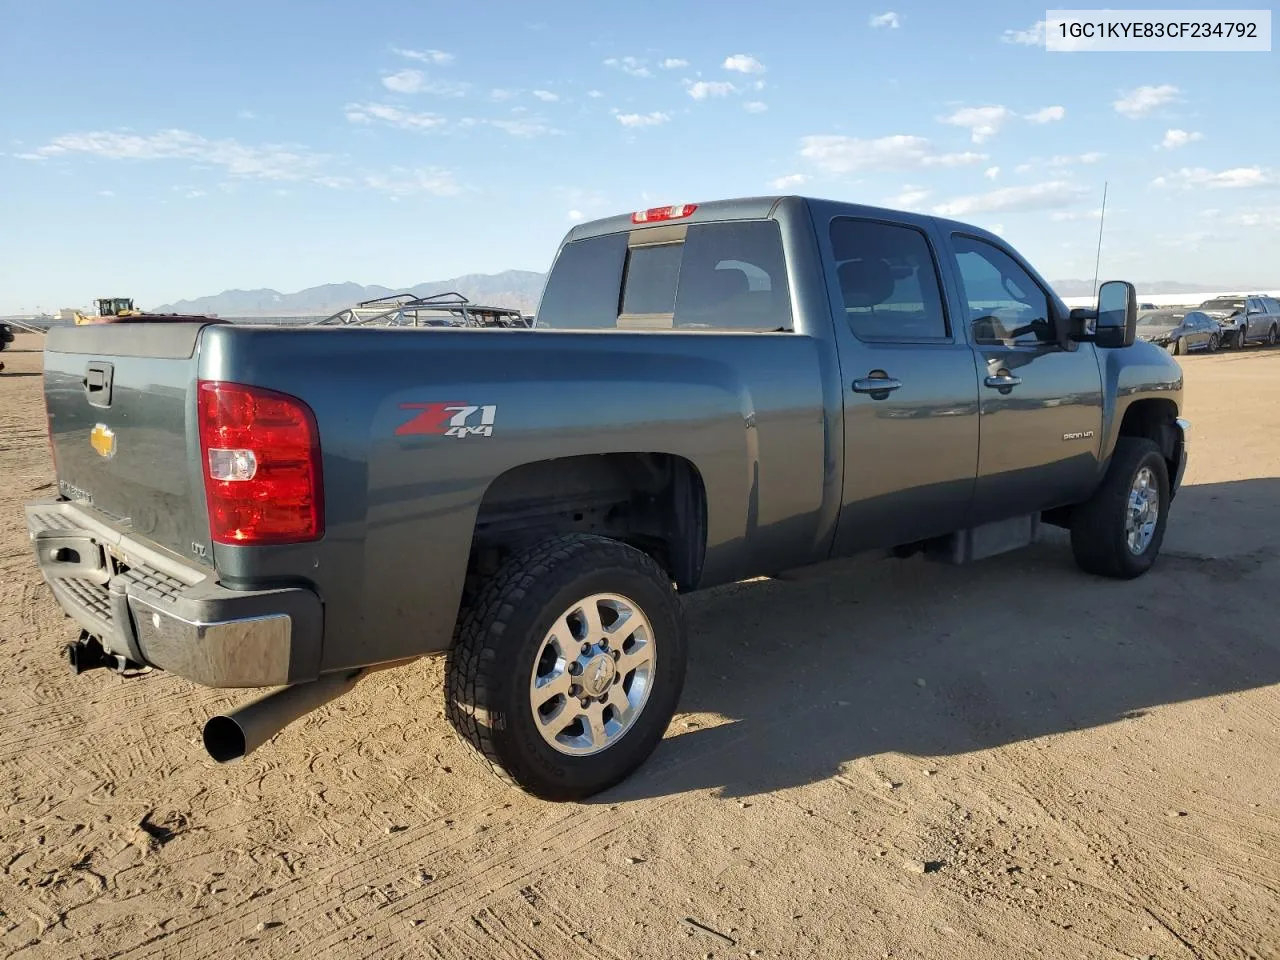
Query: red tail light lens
[[260, 456], [655, 214]]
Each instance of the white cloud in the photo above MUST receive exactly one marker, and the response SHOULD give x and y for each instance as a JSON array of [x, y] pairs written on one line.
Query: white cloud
[[889, 19], [1255, 218], [246, 115], [1039, 196], [191, 193], [673, 63], [546, 96], [755, 106], [395, 116], [758, 85], [438, 57], [594, 94], [643, 119], [633, 66], [405, 81], [1047, 114], [1068, 216], [106, 193], [789, 181], [742, 63], [982, 122], [1033, 36], [524, 128], [1022, 168], [268, 162], [839, 154], [1140, 101], [1178, 138], [402, 182], [576, 215], [997, 229], [1236, 177], [909, 199], [415, 81], [991, 173], [500, 94], [1067, 160], [702, 89]]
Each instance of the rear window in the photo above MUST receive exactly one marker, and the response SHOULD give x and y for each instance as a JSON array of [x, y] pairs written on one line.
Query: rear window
[[718, 276]]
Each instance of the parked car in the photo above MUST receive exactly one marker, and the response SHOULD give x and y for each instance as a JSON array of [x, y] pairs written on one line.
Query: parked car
[[6, 335], [710, 392], [1247, 318], [1179, 333]]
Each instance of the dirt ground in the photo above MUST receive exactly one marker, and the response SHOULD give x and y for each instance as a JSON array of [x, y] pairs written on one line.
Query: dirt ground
[[890, 759]]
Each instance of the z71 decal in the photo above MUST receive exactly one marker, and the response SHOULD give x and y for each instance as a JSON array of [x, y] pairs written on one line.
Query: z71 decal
[[448, 420]]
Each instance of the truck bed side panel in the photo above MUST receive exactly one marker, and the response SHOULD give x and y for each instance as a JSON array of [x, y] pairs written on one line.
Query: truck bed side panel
[[402, 497]]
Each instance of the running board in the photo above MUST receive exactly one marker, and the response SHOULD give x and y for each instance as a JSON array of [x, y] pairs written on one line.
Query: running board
[[988, 540]]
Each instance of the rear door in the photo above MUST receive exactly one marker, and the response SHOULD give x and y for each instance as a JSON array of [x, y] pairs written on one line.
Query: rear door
[[910, 394], [121, 402], [1040, 395]]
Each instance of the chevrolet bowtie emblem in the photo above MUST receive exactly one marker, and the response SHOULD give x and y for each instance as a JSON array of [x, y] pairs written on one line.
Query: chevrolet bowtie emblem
[[103, 440]]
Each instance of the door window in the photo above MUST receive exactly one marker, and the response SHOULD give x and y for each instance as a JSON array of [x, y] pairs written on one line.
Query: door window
[[1006, 306], [889, 281]]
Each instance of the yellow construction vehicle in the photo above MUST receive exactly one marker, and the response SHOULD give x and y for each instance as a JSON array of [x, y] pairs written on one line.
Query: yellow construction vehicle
[[110, 307]]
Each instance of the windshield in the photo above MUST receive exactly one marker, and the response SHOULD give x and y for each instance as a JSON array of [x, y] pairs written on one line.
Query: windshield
[[1223, 303]]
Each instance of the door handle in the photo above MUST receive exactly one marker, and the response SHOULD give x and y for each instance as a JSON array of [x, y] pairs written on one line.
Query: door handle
[[1002, 381], [875, 385]]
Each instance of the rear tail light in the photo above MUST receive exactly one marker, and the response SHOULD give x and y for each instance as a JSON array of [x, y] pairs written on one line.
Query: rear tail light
[[655, 214], [260, 455]]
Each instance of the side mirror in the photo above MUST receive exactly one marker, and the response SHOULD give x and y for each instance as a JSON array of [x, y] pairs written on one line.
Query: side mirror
[[1115, 321]]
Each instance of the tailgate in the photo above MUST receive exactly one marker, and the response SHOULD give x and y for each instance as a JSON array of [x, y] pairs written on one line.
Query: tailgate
[[121, 401]]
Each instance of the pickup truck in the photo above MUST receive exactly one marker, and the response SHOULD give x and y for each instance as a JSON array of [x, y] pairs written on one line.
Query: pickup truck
[[710, 392]]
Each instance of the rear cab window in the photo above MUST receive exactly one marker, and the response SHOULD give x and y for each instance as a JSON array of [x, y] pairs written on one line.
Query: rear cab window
[[725, 276]]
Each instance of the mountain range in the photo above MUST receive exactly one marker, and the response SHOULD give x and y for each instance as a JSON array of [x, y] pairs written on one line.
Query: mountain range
[[511, 288]]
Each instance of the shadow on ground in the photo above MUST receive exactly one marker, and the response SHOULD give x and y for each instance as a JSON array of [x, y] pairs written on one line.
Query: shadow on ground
[[928, 660]]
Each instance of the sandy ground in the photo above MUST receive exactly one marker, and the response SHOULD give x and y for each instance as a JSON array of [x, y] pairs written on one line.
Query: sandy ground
[[886, 760]]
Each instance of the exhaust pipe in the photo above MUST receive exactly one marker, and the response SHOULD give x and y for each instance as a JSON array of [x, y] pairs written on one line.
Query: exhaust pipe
[[233, 736]]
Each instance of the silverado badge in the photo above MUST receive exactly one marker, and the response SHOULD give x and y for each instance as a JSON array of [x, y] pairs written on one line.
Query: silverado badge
[[103, 439]]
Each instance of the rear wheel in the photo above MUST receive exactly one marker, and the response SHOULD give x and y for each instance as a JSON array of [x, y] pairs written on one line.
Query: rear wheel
[[1272, 336], [1117, 533], [568, 666]]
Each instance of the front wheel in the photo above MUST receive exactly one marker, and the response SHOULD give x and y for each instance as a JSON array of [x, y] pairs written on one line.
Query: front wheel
[[568, 666], [1180, 346], [1117, 533], [1242, 336], [1214, 343]]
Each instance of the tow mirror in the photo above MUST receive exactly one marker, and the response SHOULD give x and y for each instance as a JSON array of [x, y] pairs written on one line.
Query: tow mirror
[[1114, 323]]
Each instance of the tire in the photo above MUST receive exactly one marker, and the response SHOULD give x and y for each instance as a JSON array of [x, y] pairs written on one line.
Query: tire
[[1180, 346], [1242, 337], [1272, 336], [1214, 343], [1099, 537], [507, 639]]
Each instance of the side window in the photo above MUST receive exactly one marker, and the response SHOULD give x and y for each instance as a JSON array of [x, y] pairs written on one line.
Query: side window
[[733, 276], [1273, 306], [888, 280], [1005, 305]]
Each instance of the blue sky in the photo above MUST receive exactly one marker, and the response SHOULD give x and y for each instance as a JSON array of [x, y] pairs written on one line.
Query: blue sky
[[163, 150]]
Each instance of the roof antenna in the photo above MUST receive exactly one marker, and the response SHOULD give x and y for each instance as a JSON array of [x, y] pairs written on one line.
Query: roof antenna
[[1101, 220]]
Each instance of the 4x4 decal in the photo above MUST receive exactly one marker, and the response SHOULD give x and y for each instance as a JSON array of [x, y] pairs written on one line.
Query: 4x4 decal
[[448, 419]]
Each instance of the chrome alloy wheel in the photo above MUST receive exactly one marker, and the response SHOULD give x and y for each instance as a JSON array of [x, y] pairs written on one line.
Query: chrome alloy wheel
[[1143, 512], [593, 674]]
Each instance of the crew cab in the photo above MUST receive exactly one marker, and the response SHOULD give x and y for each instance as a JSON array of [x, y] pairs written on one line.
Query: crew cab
[[709, 392]]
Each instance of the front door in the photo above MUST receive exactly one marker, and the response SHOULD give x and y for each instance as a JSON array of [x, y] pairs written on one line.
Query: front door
[[1041, 395], [910, 395]]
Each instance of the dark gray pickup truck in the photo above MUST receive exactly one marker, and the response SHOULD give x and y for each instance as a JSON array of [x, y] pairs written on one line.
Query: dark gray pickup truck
[[710, 392]]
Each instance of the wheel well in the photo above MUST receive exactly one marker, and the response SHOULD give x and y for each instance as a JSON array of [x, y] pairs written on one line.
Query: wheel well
[[1154, 419], [655, 502]]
